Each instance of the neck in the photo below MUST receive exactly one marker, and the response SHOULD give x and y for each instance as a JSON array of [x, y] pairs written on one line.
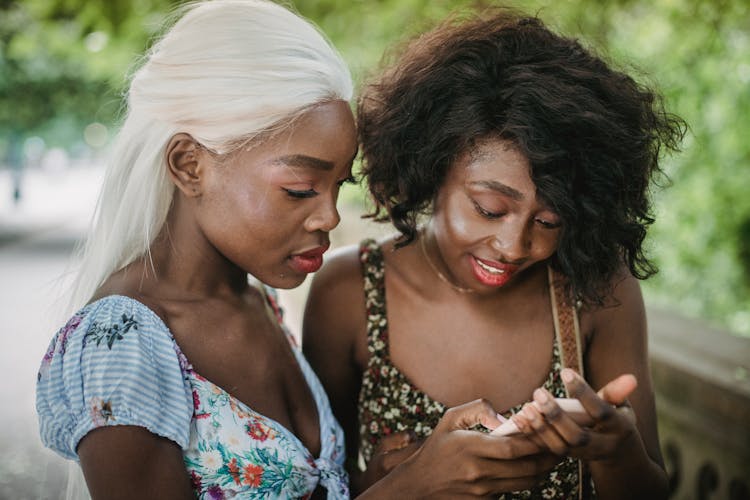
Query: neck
[[182, 257], [434, 267]]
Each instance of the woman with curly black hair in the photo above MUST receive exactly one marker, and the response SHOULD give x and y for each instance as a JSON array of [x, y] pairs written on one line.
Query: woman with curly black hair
[[517, 166]]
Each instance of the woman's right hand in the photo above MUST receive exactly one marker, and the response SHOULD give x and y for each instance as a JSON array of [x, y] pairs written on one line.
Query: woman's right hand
[[457, 462], [390, 452]]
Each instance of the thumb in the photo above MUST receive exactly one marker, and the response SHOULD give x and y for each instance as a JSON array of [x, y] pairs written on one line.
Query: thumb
[[468, 415], [396, 441], [617, 391], [393, 458]]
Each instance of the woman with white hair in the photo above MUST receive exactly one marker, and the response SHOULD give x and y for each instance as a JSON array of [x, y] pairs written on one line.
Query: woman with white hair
[[175, 377]]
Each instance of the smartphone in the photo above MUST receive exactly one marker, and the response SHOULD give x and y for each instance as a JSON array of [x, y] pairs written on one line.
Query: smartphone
[[571, 406]]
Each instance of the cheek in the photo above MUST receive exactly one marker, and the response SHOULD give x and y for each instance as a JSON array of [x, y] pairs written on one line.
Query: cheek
[[545, 244], [451, 220]]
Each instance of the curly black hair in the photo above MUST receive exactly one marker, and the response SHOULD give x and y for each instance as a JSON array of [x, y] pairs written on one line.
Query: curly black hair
[[592, 135]]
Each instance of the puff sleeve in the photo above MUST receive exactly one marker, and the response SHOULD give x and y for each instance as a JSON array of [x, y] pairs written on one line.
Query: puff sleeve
[[114, 363]]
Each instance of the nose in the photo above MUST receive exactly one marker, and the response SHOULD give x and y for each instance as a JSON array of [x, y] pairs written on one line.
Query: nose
[[325, 217], [512, 242]]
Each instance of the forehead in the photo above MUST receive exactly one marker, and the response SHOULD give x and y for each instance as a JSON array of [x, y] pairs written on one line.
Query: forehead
[[322, 139], [495, 159], [328, 122]]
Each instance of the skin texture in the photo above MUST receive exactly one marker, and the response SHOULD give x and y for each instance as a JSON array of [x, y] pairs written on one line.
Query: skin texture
[[231, 216], [488, 208]]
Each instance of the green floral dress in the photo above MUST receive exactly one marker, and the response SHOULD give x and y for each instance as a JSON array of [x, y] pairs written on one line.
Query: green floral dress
[[389, 402]]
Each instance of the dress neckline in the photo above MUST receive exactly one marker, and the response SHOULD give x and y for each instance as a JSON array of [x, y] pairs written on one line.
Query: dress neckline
[[186, 365], [381, 353]]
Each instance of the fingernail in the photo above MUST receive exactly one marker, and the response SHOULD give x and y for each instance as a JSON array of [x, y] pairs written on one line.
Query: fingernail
[[501, 418], [529, 415], [519, 421], [540, 396], [567, 375]]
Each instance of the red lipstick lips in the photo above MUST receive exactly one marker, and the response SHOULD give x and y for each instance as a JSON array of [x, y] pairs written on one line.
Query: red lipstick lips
[[308, 261], [490, 272]]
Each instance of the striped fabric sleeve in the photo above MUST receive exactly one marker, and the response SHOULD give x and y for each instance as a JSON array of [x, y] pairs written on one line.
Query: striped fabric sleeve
[[114, 363]]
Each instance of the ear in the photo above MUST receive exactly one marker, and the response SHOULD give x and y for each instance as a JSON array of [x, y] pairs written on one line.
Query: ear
[[184, 163]]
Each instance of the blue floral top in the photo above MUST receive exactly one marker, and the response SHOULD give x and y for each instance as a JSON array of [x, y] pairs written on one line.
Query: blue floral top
[[116, 363]]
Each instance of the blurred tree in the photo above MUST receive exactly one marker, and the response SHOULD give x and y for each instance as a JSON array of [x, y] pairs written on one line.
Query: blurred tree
[[63, 64]]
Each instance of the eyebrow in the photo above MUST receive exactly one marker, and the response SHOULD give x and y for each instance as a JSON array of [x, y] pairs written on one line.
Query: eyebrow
[[308, 161], [500, 188], [304, 161]]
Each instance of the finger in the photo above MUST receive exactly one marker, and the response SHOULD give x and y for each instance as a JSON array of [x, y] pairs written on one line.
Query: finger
[[545, 430], [467, 416], [510, 447], [569, 433], [395, 441], [592, 403], [524, 426], [618, 390], [522, 467], [393, 458]]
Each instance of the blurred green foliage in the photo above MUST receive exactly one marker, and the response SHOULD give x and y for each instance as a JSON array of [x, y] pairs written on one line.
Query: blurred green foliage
[[63, 65]]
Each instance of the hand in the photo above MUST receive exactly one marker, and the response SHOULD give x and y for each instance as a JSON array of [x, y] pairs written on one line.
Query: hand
[[457, 462], [614, 421], [391, 451]]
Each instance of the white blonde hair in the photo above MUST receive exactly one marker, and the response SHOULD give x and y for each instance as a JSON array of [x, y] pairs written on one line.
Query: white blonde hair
[[226, 72]]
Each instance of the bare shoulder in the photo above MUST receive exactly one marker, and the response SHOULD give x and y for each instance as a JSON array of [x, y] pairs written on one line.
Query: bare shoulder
[[130, 283], [335, 309], [340, 272], [625, 299], [616, 332]]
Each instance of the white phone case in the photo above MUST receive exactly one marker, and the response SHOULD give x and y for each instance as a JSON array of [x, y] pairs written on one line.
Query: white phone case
[[571, 406]]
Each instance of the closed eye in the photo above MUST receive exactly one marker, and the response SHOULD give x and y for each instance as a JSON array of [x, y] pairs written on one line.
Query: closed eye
[[548, 224], [308, 193], [485, 213], [348, 180]]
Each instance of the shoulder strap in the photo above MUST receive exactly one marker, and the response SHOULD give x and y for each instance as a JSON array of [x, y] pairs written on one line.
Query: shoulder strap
[[275, 312], [565, 317], [568, 335], [373, 272]]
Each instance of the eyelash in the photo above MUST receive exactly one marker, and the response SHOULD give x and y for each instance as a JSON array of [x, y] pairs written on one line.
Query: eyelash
[[301, 194], [348, 180], [494, 216], [484, 213], [309, 193], [548, 225]]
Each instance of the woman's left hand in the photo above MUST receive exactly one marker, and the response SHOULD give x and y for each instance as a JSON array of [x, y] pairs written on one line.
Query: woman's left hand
[[612, 430]]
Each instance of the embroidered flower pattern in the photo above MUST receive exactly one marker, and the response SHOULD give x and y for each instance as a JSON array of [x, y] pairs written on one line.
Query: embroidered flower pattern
[[389, 402], [111, 333], [258, 431], [100, 412], [59, 343], [231, 450], [236, 451]]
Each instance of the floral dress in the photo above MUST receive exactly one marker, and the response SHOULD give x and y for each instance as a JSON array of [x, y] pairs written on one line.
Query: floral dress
[[116, 363], [389, 402]]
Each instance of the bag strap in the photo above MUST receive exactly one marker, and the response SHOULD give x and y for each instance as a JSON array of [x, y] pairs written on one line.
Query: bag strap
[[568, 334], [565, 316]]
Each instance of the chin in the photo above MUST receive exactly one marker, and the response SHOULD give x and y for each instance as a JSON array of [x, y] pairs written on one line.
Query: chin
[[285, 282]]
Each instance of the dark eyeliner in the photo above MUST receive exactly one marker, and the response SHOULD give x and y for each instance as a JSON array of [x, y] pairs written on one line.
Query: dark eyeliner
[[309, 193], [484, 213], [348, 180], [548, 225]]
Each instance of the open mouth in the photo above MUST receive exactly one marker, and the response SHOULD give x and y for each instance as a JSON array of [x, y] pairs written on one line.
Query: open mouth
[[491, 273]]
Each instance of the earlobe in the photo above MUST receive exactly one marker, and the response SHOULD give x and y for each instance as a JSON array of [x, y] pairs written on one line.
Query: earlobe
[[184, 164]]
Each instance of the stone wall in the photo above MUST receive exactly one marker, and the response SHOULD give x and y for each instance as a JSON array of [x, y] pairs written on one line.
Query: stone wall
[[702, 383]]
